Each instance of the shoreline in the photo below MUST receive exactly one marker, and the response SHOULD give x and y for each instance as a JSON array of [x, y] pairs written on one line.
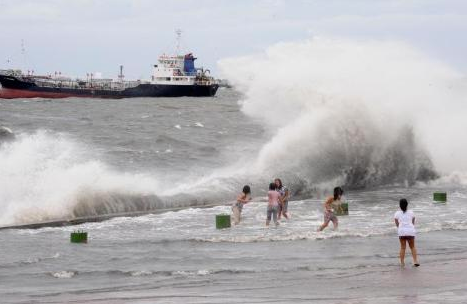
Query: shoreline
[[341, 270]]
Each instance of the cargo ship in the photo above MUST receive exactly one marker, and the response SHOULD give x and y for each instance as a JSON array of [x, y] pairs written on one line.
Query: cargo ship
[[173, 76]]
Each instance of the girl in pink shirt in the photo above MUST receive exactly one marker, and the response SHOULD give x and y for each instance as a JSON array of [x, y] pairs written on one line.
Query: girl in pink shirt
[[274, 199]]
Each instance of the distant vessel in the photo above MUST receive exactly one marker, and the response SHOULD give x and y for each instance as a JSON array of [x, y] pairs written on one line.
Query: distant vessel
[[173, 76]]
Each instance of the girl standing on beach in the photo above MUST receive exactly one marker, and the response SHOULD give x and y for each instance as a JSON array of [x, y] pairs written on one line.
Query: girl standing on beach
[[284, 192], [274, 199], [405, 222], [242, 199], [331, 202]]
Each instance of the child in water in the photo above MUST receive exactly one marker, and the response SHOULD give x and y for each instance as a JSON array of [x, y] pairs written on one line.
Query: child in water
[[274, 199], [405, 223], [242, 199], [284, 203], [328, 208]]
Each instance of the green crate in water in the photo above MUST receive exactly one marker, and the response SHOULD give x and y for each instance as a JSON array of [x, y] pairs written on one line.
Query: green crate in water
[[79, 237], [342, 209], [222, 221], [440, 196]]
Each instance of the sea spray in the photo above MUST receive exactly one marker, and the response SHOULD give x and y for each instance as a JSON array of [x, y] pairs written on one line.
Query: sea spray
[[45, 176], [361, 113], [335, 112], [48, 176]]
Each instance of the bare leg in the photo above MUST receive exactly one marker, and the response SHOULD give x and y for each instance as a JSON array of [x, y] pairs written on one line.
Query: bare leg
[[279, 212], [323, 226], [335, 223], [268, 218], [402, 251], [284, 210], [274, 217], [236, 213], [413, 250]]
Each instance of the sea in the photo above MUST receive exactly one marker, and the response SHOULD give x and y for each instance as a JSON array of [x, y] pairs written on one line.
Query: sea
[[84, 157], [160, 169]]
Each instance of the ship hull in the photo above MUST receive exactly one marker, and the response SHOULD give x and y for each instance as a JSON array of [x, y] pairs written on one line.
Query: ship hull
[[15, 88]]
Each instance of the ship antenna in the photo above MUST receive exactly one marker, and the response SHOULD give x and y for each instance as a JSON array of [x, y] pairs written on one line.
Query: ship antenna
[[179, 35], [22, 47], [23, 52]]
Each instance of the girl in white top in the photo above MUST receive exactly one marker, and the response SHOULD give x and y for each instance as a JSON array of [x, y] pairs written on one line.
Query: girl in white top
[[405, 222]]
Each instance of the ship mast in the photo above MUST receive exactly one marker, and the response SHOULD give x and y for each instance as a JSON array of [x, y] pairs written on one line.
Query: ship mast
[[179, 35], [121, 76], [23, 54]]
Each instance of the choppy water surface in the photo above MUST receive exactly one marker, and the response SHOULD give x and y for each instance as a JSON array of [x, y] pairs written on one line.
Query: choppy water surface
[[81, 157]]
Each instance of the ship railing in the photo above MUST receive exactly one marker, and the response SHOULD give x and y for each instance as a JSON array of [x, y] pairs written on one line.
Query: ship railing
[[203, 82], [11, 72], [81, 84]]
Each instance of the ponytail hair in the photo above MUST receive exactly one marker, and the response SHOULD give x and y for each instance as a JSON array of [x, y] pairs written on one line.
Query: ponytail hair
[[403, 204]]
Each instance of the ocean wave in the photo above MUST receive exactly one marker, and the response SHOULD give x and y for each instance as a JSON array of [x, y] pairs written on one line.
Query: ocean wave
[[64, 180], [229, 271], [63, 274], [267, 237], [148, 273], [362, 128], [39, 259], [30, 261], [140, 273]]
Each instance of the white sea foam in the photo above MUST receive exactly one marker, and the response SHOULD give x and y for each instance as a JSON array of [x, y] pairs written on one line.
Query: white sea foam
[[44, 175], [198, 225], [63, 274], [140, 273], [372, 109], [39, 259], [335, 103]]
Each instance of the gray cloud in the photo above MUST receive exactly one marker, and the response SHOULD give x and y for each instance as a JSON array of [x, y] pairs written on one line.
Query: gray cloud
[[82, 36]]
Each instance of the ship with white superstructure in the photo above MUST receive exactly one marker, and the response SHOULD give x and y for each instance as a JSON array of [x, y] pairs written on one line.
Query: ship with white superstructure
[[172, 76]]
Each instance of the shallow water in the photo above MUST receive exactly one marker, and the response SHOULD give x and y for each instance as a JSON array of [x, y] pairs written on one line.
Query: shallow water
[[181, 257], [345, 269]]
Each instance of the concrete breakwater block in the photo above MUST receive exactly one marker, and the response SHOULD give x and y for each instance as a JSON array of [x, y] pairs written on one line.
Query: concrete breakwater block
[[222, 221], [342, 209], [79, 237], [440, 196]]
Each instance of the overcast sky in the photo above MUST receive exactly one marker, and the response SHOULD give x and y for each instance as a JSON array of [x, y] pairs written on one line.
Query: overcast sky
[[79, 36]]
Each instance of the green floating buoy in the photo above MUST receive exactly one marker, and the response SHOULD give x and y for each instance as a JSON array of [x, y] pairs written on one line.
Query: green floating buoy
[[222, 221], [342, 209], [440, 196], [79, 237]]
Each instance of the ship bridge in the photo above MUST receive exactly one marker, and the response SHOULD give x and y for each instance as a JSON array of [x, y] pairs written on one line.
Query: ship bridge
[[180, 70]]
